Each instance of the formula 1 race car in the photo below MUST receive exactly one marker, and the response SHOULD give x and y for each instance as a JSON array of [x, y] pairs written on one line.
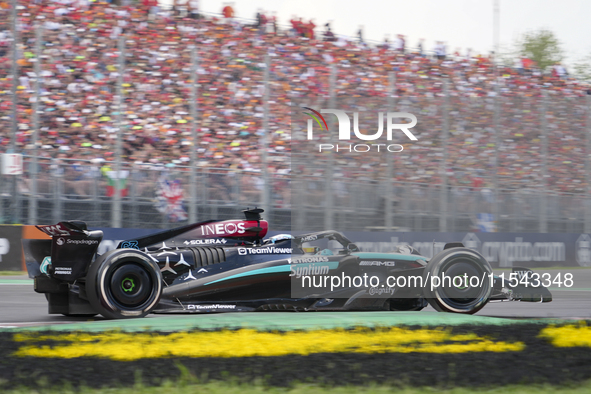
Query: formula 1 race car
[[223, 266]]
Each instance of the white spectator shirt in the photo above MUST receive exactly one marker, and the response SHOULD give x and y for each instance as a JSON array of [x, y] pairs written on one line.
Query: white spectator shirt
[[116, 32], [60, 11], [73, 87], [24, 81], [440, 50], [560, 70], [61, 68], [122, 13], [518, 64], [52, 25], [82, 4]]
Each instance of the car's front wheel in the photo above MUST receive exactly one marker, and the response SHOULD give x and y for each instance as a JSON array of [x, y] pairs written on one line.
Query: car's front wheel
[[458, 280]]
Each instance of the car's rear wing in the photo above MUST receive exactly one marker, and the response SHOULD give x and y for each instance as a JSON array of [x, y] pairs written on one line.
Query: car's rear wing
[[72, 249]]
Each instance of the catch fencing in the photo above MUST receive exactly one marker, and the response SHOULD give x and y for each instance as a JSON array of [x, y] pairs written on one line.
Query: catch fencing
[[156, 196]]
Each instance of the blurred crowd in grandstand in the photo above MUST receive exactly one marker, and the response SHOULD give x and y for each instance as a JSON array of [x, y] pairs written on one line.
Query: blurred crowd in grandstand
[[79, 83]]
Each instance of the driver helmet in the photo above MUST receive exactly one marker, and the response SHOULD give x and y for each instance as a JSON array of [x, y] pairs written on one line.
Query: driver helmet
[[277, 238]]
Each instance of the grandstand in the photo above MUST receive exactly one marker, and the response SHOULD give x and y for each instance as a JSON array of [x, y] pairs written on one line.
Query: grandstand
[[492, 165]]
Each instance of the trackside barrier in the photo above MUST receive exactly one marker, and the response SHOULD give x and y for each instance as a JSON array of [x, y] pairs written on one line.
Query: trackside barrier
[[500, 249], [10, 247]]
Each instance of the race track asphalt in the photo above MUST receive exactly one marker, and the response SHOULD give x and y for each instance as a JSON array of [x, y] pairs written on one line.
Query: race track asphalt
[[21, 306]]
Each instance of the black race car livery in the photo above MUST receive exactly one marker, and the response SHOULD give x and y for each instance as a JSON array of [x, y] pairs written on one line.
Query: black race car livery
[[229, 266]]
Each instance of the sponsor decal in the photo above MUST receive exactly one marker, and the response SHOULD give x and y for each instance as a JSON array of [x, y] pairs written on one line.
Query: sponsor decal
[[206, 242], [379, 263], [166, 266], [55, 231], [62, 271], [303, 260], [202, 270], [189, 276], [312, 269], [212, 306], [223, 228], [4, 247], [381, 290], [310, 238], [182, 261], [79, 241], [165, 250], [60, 241], [130, 245], [45, 264], [508, 252], [267, 250]]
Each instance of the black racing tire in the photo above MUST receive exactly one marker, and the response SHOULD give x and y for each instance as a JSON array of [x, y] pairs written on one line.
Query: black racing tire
[[80, 314], [469, 296], [123, 284]]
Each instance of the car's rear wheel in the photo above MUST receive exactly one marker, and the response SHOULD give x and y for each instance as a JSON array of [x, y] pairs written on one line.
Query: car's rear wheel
[[124, 283], [458, 280]]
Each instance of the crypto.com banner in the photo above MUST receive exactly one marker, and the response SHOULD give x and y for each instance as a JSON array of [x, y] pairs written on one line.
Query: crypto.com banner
[[500, 249]]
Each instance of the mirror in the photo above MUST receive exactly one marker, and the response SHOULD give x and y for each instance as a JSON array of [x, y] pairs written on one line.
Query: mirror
[[352, 247]]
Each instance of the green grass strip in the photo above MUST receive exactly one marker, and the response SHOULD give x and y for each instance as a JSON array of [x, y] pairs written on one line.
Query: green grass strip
[[282, 321], [190, 387], [12, 273]]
